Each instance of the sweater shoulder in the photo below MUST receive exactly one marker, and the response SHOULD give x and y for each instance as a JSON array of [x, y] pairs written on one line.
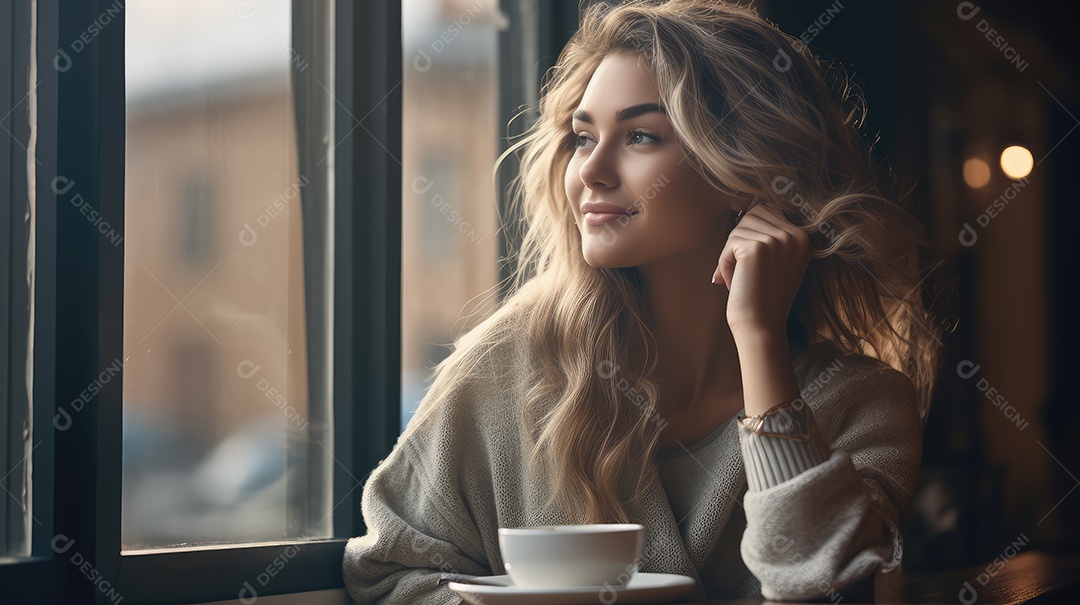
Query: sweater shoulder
[[475, 400], [846, 389], [868, 409], [823, 369]]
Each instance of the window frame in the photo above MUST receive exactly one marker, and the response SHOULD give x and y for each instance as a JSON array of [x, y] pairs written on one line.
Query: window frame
[[86, 103], [36, 573], [367, 284]]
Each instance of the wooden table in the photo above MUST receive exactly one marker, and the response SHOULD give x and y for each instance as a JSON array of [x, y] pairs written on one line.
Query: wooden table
[[1029, 577]]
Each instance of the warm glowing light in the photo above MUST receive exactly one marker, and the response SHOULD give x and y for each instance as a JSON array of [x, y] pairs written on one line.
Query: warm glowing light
[[976, 173], [1017, 162]]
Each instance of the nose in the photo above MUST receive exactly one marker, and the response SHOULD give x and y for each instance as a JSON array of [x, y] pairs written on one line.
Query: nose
[[596, 171]]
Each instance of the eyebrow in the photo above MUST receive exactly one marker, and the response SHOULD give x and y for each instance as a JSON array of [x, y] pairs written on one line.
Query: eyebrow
[[623, 114]]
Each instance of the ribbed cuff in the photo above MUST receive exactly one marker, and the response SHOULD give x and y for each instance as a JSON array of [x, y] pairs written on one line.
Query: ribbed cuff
[[795, 445]]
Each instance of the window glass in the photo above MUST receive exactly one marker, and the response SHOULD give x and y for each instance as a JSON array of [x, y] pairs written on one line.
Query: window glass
[[222, 443], [449, 215]]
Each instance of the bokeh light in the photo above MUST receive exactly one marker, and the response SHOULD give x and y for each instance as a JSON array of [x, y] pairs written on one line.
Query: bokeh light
[[976, 173], [1017, 161]]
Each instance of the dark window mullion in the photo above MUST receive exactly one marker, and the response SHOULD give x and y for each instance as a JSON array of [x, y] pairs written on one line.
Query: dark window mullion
[[89, 158], [367, 348]]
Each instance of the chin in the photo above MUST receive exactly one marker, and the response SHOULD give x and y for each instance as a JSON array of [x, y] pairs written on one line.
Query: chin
[[609, 258]]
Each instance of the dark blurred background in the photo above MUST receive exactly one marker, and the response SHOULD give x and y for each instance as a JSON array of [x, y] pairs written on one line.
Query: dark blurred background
[[949, 86]]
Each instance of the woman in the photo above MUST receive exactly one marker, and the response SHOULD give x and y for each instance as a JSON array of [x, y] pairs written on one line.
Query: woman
[[765, 426]]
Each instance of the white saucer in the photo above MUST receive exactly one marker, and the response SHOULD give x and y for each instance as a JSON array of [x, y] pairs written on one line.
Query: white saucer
[[642, 588]]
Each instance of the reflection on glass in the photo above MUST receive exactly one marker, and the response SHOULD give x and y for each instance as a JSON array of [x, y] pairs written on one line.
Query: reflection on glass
[[219, 440], [449, 214]]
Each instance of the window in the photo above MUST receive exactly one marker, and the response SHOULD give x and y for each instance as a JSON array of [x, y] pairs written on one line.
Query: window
[[139, 274], [219, 441], [450, 215], [146, 194], [470, 67], [195, 214]]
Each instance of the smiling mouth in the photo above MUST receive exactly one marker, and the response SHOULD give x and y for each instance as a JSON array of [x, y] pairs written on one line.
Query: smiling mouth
[[628, 213], [597, 219]]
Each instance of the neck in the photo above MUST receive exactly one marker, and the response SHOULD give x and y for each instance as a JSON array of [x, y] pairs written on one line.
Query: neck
[[697, 356]]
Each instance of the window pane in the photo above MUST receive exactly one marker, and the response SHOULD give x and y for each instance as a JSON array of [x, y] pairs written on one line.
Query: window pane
[[222, 442], [450, 217]]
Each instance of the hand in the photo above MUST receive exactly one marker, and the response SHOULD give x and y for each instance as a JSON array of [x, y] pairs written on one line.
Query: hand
[[762, 265]]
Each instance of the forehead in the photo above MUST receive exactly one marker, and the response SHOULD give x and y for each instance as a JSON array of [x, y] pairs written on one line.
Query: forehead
[[622, 79]]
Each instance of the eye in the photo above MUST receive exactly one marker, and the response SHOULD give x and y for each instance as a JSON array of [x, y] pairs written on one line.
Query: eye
[[632, 137], [578, 139], [637, 132]]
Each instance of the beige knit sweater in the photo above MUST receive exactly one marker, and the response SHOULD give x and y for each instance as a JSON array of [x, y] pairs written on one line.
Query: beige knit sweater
[[816, 519]]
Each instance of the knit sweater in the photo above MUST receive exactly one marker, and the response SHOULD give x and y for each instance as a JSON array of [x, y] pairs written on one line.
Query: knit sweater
[[816, 519]]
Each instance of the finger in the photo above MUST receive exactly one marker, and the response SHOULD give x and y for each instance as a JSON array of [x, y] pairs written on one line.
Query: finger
[[752, 236], [770, 244], [779, 217], [773, 222], [758, 223], [766, 211], [726, 267], [768, 241], [726, 264]]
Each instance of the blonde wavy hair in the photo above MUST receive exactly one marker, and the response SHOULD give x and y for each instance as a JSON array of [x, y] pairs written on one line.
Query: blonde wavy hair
[[755, 109]]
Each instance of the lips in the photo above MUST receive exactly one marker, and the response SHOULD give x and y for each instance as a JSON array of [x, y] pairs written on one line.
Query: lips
[[600, 214]]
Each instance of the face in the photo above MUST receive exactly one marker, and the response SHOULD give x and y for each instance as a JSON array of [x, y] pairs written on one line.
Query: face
[[632, 161]]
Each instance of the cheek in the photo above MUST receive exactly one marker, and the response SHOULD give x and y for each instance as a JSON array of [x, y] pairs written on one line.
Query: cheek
[[572, 170], [572, 184], [702, 196], [688, 200]]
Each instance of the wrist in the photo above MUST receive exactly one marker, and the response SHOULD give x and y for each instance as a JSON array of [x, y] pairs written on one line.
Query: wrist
[[759, 337], [768, 377]]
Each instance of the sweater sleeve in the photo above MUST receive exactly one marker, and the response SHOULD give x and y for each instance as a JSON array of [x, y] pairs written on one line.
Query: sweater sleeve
[[820, 520], [410, 542], [786, 444], [418, 527]]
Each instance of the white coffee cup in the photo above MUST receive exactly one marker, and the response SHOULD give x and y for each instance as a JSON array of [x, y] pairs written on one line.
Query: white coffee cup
[[561, 556]]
